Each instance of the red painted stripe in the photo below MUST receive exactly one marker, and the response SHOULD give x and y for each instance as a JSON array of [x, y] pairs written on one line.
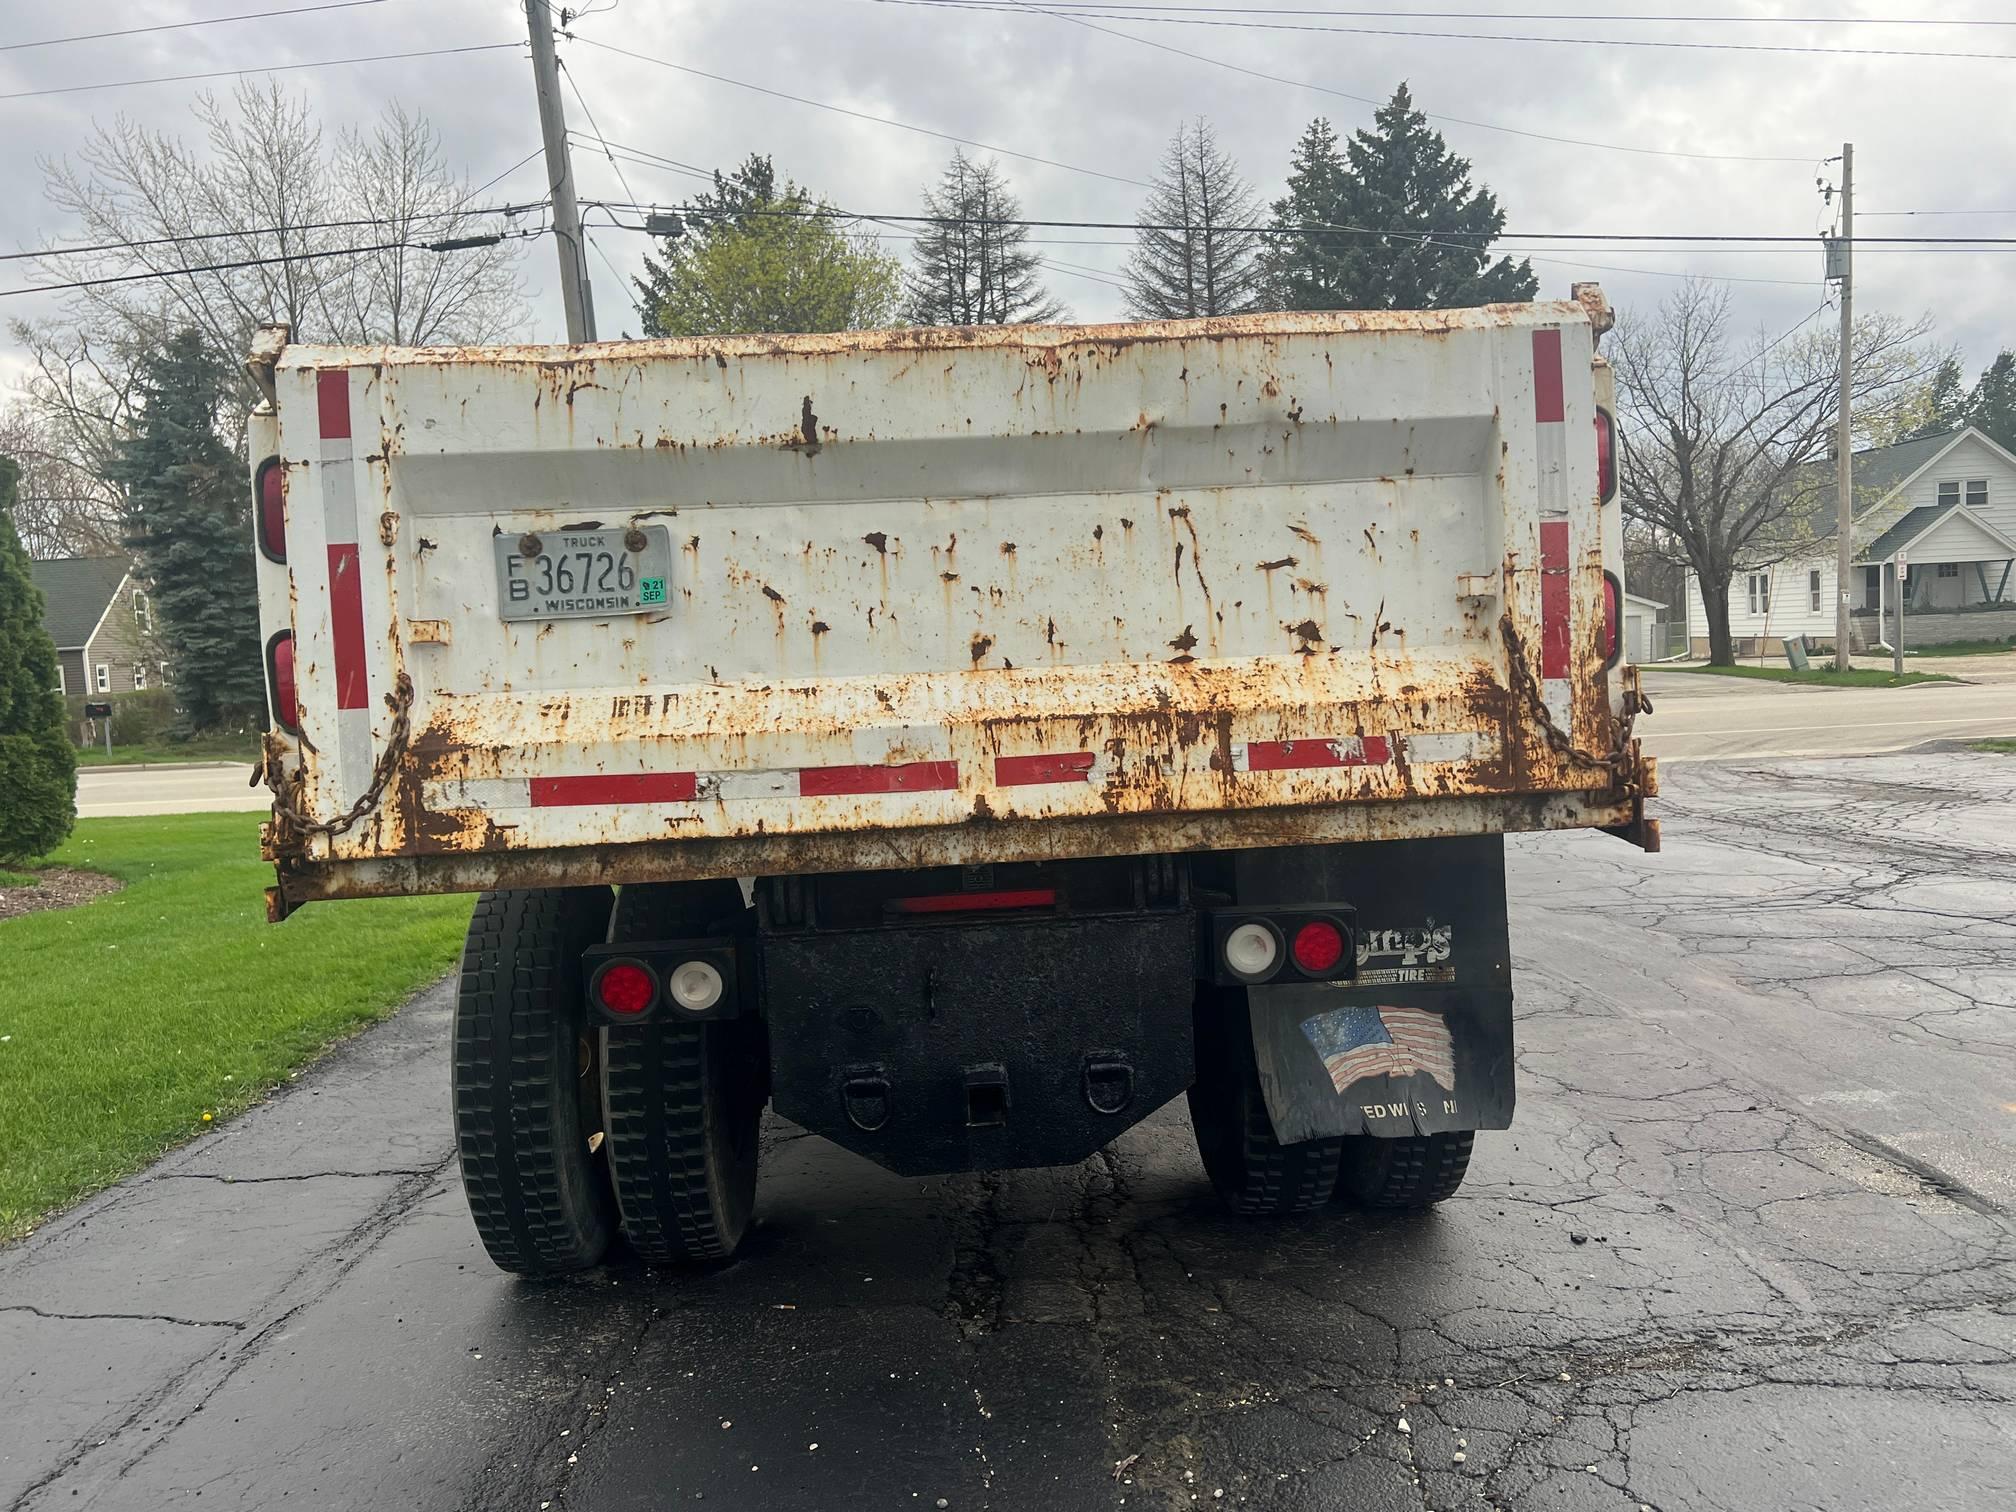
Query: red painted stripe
[[1291, 755], [346, 622], [912, 777], [1554, 628], [332, 403], [1547, 400], [1029, 771], [635, 787], [978, 902]]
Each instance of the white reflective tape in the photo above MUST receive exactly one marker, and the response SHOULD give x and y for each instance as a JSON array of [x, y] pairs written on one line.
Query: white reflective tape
[[477, 793], [1559, 696], [731, 786], [1550, 455], [1460, 745]]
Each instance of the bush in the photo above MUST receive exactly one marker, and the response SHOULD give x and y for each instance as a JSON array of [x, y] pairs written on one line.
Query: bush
[[38, 770], [144, 718]]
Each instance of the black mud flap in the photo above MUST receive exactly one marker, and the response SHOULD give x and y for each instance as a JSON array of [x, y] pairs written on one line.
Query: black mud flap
[[1392, 1062], [1420, 1040]]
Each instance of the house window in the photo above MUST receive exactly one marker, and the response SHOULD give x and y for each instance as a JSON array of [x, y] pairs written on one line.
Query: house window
[[101, 678], [1872, 587], [142, 612], [62, 682], [1977, 492], [1760, 593], [139, 677], [1813, 589], [1949, 569], [1949, 493]]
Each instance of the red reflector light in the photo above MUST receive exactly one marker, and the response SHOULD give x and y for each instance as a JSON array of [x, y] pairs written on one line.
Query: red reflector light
[[1606, 457], [977, 902], [1613, 618], [280, 677], [625, 988], [271, 504], [1318, 946]]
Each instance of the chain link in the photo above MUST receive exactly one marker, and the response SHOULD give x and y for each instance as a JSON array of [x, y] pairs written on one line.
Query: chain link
[[1620, 760], [292, 828]]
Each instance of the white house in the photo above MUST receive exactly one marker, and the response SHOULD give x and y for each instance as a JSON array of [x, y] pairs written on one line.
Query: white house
[[1944, 506]]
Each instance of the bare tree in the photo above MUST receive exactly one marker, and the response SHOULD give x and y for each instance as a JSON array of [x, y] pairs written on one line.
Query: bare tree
[[1210, 265], [1720, 435], [973, 264], [61, 508]]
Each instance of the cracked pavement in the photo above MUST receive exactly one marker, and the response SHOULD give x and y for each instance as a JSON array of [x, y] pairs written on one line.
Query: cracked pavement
[[1748, 1246]]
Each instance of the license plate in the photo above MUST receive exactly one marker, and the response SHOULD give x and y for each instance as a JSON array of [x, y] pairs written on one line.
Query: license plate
[[582, 574]]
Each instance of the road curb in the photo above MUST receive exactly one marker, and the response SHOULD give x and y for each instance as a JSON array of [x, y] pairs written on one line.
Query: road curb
[[167, 766]]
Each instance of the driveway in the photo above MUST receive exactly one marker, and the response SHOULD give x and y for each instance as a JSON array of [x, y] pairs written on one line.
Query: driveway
[[1748, 1246]]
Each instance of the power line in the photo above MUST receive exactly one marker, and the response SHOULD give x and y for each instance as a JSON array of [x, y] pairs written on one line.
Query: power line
[[455, 244], [862, 115], [594, 125], [266, 68], [165, 26], [1138, 13], [1345, 94], [1576, 16], [249, 231]]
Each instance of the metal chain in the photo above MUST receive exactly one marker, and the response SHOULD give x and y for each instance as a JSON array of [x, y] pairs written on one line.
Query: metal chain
[[293, 828], [1527, 687]]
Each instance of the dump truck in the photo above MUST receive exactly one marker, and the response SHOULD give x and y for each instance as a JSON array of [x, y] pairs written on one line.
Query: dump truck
[[961, 742]]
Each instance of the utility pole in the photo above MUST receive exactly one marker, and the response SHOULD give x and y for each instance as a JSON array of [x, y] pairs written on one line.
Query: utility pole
[[575, 293], [1844, 446]]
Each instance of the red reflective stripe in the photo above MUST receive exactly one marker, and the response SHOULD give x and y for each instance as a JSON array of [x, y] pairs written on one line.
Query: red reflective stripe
[[1028, 771], [1034, 897], [1288, 755], [332, 403], [635, 787], [346, 625], [1547, 401], [912, 777], [1554, 642]]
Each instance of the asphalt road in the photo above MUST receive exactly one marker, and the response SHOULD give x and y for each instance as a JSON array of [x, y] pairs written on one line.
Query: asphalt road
[[1748, 1247], [208, 788], [1707, 716]]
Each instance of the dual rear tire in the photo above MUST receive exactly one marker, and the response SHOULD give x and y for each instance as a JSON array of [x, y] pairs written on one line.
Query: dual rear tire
[[570, 1133]]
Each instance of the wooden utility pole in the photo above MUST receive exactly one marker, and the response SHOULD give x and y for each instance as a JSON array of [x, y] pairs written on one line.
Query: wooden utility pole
[[576, 296], [1844, 445]]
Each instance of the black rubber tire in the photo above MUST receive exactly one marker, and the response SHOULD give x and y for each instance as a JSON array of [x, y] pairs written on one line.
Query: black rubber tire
[[1416, 1172], [1252, 1172], [525, 1098], [683, 1100]]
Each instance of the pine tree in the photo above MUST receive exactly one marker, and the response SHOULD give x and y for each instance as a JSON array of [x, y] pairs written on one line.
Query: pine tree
[[1395, 224], [755, 257], [972, 264], [189, 521], [38, 769], [1211, 265]]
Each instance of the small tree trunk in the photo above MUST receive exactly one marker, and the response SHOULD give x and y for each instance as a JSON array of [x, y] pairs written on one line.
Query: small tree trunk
[[1715, 603]]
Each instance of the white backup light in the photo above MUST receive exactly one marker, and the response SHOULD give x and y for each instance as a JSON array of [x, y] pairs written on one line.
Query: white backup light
[[694, 986], [1252, 950]]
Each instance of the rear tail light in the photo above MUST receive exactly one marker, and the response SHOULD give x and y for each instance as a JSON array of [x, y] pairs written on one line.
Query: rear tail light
[[269, 504], [1606, 457], [1253, 951], [1318, 947], [1613, 620], [694, 986], [624, 988], [1249, 947], [286, 709]]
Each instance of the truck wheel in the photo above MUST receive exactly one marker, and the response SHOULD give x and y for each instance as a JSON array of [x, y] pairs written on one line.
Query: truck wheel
[[683, 1100], [527, 1117], [1252, 1172], [1414, 1172]]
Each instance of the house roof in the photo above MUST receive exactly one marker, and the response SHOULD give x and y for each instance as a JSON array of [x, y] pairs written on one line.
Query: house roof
[[1879, 472], [1922, 521], [75, 591], [1639, 598]]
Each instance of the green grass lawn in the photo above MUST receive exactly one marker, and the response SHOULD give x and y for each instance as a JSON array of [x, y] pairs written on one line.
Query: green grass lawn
[[15, 879], [2001, 747], [243, 748], [1827, 677], [125, 1021], [1963, 648]]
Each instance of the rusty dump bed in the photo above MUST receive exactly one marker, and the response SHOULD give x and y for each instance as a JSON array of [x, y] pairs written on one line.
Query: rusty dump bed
[[942, 596]]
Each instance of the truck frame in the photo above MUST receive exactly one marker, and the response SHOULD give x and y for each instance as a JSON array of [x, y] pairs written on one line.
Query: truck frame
[[962, 741]]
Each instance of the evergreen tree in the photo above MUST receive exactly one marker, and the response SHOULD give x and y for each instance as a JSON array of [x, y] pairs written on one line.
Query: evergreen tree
[[755, 257], [973, 264], [1210, 266], [1393, 224], [38, 769], [1991, 406], [189, 520]]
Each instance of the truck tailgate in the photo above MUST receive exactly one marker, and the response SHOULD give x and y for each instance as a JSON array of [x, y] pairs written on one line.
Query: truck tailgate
[[943, 595]]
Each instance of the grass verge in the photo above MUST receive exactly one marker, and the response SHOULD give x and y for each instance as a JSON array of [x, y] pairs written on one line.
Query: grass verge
[[125, 1021], [1826, 677], [243, 748], [15, 879], [1963, 648], [1999, 746]]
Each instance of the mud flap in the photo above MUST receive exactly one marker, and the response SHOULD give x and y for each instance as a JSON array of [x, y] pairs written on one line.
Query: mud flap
[[1346, 1060]]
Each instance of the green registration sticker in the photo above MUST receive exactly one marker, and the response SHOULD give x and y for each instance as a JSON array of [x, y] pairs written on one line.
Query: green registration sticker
[[651, 591]]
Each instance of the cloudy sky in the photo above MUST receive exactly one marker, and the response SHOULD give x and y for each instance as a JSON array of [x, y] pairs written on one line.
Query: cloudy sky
[[1727, 138]]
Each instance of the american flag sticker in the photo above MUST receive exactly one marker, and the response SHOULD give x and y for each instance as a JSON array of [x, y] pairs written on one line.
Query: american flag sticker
[[1359, 1042]]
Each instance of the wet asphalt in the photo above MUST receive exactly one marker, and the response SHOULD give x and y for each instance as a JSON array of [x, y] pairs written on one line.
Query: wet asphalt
[[1748, 1246]]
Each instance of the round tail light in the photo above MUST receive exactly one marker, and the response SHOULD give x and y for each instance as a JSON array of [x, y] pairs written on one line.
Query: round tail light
[[1252, 951], [624, 987], [694, 986], [1318, 947]]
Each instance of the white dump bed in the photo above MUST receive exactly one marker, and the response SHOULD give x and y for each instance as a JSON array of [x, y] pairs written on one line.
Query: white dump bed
[[928, 596]]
